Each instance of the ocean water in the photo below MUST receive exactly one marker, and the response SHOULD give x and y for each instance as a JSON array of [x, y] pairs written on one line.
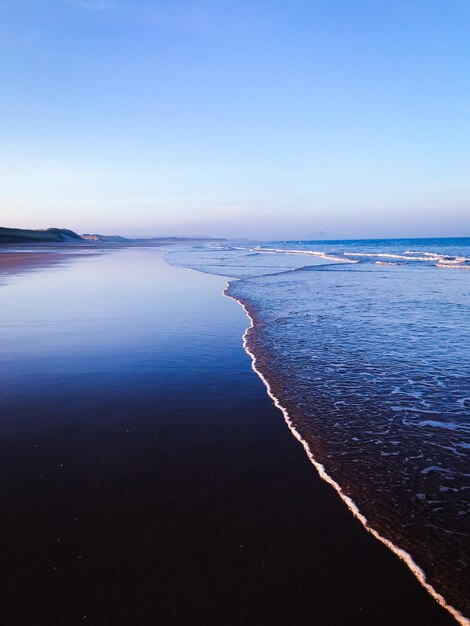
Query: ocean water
[[366, 345]]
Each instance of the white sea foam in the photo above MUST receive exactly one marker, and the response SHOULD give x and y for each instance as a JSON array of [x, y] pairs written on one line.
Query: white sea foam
[[435, 255], [400, 552], [453, 261], [317, 253], [453, 265], [388, 255], [432, 255], [440, 260]]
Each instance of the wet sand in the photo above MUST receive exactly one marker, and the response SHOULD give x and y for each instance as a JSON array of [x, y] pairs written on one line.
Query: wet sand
[[17, 262], [147, 478]]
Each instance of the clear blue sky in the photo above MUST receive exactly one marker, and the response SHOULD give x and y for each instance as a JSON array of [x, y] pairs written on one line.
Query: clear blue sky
[[269, 119]]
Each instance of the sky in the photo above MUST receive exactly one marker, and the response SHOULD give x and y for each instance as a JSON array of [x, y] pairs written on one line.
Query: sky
[[250, 118]]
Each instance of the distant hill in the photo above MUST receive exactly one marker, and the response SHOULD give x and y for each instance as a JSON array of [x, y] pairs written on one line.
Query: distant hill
[[64, 235], [105, 238], [20, 235]]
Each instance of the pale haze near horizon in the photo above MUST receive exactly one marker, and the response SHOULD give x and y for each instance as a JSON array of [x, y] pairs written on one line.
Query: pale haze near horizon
[[237, 119]]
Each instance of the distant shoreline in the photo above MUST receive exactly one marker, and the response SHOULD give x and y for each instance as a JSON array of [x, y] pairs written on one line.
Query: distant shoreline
[[15, 236]]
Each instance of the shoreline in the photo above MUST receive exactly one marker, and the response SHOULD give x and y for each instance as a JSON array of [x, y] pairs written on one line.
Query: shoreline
[[156, 483], [402, 554]]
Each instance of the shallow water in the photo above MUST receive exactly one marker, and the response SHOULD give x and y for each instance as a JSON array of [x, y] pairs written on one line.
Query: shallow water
[[367, 344]]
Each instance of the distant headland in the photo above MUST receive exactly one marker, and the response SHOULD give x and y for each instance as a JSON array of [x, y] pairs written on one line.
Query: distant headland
[[65, 235]]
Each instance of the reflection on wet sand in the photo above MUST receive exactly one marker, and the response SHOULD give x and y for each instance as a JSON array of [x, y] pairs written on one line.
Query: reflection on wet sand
[[20, 261]]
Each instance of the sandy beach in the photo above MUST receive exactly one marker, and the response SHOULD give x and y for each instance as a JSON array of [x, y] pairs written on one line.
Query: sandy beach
[[147, 477]]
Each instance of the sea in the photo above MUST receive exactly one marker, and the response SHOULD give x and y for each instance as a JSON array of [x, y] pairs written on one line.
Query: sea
[[365, 347]]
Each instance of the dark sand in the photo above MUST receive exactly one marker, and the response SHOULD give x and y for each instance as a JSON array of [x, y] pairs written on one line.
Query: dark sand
[[167, 489]]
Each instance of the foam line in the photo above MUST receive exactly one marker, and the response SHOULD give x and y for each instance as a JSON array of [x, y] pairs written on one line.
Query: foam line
[[400, 552], [317, 253]]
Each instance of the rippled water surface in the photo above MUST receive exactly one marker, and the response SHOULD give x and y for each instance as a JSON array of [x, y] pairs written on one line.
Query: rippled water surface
[[367, 344]]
